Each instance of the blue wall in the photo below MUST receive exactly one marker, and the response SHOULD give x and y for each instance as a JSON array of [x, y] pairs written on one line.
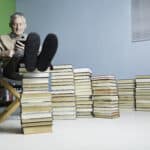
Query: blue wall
[[92, 33]]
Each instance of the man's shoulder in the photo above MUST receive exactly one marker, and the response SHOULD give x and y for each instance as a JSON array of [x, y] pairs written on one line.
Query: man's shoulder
[[7, 42], [5, 37]]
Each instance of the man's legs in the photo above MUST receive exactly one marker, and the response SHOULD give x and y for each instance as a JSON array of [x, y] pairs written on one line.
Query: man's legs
[[29, 57], [10, 70], [32, 46], [49, 49]]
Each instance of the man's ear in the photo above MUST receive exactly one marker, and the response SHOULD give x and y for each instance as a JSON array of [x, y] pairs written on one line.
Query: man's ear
[[25, 26]]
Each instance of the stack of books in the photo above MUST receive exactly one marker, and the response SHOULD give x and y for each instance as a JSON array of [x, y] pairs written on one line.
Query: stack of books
[[126, 93], [36, 107], [83, 92], [143, 92], [105, 96], [63, 92]]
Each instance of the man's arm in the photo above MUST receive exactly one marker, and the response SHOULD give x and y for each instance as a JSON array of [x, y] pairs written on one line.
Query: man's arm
[[5, 51]]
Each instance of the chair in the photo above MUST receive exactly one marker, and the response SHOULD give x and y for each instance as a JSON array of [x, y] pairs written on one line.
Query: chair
[[7, 84]]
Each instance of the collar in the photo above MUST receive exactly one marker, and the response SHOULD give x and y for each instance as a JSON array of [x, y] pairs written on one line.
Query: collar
[[14, 36]]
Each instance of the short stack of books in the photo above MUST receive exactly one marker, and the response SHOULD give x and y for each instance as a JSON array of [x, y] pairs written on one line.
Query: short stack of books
[[63, 92], [105, 96], [126, 93], [83, 92], [36, 107], [143, 92]]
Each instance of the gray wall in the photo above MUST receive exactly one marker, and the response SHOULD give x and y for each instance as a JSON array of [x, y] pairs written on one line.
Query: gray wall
[[92, 33]]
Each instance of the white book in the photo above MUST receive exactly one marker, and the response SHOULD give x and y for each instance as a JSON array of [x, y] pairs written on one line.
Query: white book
[[80, 70], [36, 115], [64, 113], [64, 66]]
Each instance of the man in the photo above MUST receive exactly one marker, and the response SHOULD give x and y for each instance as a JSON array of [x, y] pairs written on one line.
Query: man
[[18, 47]]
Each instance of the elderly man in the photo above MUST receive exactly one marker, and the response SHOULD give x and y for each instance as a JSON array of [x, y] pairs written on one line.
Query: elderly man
[[18, 47]]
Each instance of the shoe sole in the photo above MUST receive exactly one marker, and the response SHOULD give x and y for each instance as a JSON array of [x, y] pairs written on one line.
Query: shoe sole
[[32, 46], [48, 52]]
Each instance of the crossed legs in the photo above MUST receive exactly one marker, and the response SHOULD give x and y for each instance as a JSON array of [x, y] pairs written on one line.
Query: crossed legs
[[31, 58]]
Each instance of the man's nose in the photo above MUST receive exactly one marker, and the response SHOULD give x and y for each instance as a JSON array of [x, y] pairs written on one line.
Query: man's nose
[[17, 27]]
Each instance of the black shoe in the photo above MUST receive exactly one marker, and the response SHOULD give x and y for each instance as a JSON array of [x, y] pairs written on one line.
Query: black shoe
[[48, 51], [51, 67], [32, 46]]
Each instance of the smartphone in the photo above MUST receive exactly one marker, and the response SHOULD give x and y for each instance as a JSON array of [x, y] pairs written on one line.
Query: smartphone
[[22, 40]]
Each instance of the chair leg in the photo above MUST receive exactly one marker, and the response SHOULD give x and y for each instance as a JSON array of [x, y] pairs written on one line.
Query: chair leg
[[14, 105], [6, 85], [9, 110]]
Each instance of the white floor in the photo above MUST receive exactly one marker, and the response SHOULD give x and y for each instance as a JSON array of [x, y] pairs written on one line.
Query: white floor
[[129, 132]]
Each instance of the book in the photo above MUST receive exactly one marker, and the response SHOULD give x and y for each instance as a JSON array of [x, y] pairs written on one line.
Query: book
[[37, 129]]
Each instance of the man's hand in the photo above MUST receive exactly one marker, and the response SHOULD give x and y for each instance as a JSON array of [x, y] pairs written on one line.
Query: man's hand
[[19, 45], [19, 48], [11, 53]]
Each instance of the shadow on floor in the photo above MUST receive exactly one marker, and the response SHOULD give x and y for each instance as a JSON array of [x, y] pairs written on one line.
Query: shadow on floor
[[11, 127], [10, 130]]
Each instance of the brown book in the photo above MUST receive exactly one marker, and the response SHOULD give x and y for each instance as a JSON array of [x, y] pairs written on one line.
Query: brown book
[[37, 129]]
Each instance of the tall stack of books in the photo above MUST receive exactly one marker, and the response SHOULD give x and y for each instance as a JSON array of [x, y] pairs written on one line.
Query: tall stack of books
[[105, 96], [126, 92], [143, 92], [83, 92], [63, 92], [36, 108]]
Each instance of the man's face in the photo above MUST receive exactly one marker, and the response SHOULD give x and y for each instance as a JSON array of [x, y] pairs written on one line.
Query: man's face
[[19, 25]]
